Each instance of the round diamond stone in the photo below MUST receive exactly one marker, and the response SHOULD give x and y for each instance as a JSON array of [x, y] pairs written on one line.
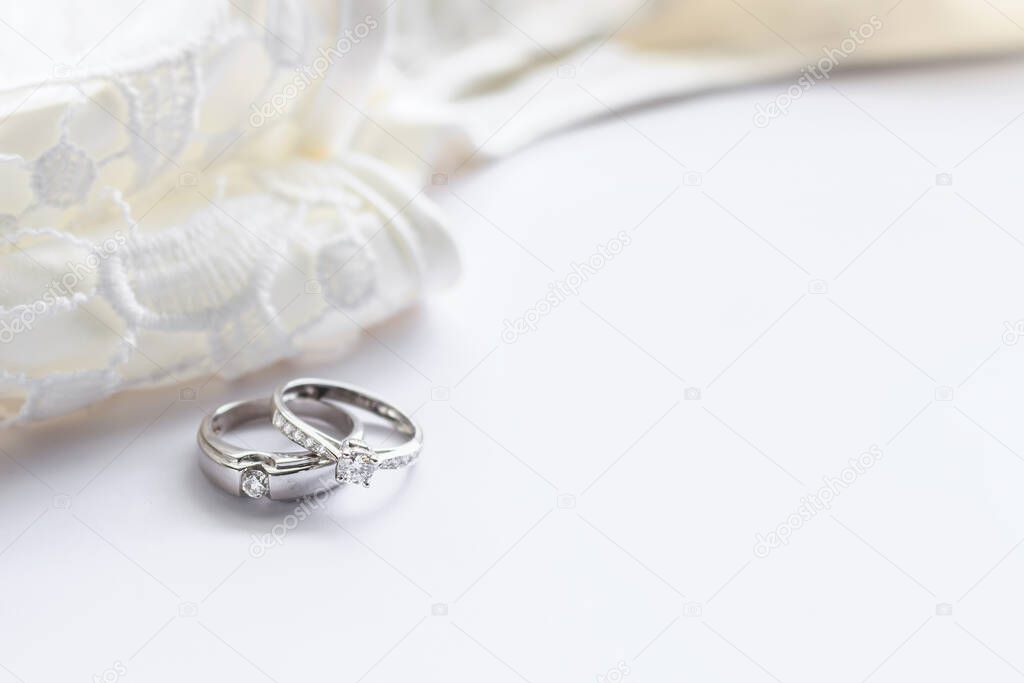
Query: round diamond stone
[[356, 470], [255, 483]]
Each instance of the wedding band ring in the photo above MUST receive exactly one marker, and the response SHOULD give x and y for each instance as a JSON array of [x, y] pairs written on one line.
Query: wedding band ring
[[253, 473], [356, 461]]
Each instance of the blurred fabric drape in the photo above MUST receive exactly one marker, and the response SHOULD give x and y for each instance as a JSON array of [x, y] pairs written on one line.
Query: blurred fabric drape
[[200, 188]]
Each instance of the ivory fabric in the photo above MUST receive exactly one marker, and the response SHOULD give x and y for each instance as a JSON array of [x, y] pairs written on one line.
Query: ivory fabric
[[555, 64], [200, 188]]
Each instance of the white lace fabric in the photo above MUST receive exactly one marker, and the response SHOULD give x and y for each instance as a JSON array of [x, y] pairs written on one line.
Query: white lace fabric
[[192, 216], [199, 188]]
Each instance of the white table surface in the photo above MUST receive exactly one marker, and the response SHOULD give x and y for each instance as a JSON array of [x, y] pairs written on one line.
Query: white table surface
[[578, 512]]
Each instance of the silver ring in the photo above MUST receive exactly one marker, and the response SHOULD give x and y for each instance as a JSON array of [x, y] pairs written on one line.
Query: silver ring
[[276, 475], [356, 460]]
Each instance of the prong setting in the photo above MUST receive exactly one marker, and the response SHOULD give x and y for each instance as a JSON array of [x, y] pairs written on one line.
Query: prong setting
[[357, 463]]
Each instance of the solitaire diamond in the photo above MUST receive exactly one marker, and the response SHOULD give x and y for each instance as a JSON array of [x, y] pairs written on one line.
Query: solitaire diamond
[[356, 464], [255, 483]]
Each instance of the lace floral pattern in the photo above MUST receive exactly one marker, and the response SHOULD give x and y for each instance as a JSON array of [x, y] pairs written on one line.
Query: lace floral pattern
[[155, 231]]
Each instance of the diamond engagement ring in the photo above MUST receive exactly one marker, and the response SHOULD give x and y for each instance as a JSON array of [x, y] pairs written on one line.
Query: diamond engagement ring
[[253, 473], [356, 462]]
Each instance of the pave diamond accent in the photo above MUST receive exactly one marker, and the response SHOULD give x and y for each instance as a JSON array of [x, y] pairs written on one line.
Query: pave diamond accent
[[356, 464], [396, 462], [255, 483], [297, 435]]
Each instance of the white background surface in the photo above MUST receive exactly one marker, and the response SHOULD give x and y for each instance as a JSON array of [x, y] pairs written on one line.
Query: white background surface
[[115, 552]]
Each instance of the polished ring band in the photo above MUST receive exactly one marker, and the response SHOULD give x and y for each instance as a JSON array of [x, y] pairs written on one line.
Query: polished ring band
[[356, 460], [276, 475]]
